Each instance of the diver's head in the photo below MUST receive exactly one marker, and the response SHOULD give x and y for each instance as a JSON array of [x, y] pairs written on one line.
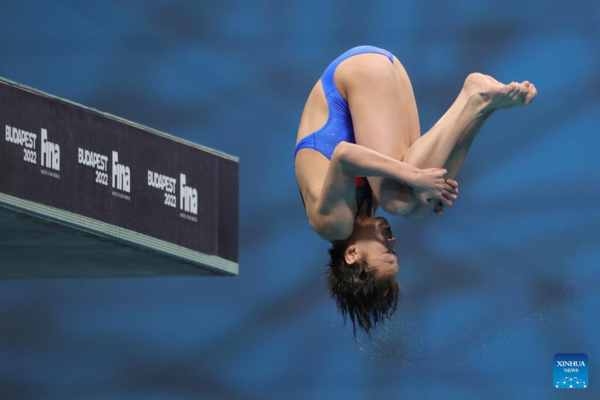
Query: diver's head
[[362, 273], [372, 241]]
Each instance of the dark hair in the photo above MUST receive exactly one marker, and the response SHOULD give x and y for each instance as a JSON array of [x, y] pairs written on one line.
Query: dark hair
[[367, 298]]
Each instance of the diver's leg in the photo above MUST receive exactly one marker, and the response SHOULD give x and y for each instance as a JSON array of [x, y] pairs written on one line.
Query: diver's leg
[[449, 140], [459, 152], [447, 143], [396, 125], [445, 146]]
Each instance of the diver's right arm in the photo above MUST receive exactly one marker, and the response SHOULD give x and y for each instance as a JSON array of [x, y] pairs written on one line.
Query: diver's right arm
[[427, 183], [361, 161], [358, 160]]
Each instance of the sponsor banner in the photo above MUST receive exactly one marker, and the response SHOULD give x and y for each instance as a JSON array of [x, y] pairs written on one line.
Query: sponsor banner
[[63, 155]]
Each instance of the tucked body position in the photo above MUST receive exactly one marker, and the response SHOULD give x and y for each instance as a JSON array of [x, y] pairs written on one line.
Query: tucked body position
[[359, 148]]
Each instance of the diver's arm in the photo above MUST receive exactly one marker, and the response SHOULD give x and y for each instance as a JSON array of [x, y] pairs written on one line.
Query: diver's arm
[[336, 206], [335, 214], [356, 160], [361, 161]]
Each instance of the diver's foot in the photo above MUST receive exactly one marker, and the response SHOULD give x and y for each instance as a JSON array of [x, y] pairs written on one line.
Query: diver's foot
[[493, 95]]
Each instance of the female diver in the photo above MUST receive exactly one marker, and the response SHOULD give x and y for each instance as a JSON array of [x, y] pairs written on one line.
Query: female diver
[[359, 147]]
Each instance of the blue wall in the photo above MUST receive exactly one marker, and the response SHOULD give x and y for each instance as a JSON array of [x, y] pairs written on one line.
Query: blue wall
[[493, 289]]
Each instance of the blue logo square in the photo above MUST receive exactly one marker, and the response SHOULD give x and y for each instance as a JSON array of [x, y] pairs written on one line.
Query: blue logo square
[[571, 371]]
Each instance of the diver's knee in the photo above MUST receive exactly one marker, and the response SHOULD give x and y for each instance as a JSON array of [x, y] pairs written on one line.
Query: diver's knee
[[421, 211], [397, 205]]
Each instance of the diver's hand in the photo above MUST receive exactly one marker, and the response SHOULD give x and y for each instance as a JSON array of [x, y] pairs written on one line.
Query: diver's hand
[[449, 193], [429, 185]]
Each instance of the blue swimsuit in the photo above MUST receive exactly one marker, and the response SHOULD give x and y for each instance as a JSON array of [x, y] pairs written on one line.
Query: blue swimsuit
[[338, 127]]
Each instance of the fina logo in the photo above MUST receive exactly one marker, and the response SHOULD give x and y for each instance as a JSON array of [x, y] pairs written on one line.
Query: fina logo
[[570, 371], [188, 196], [50, 152]]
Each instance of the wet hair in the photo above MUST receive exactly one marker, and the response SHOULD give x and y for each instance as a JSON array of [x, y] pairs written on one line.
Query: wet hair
[[359, 293]]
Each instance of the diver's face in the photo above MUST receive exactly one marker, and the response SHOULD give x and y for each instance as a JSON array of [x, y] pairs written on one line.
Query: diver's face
[[373, 241]]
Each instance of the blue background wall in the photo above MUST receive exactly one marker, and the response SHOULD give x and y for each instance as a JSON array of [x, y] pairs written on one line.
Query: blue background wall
[[493, 289]]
